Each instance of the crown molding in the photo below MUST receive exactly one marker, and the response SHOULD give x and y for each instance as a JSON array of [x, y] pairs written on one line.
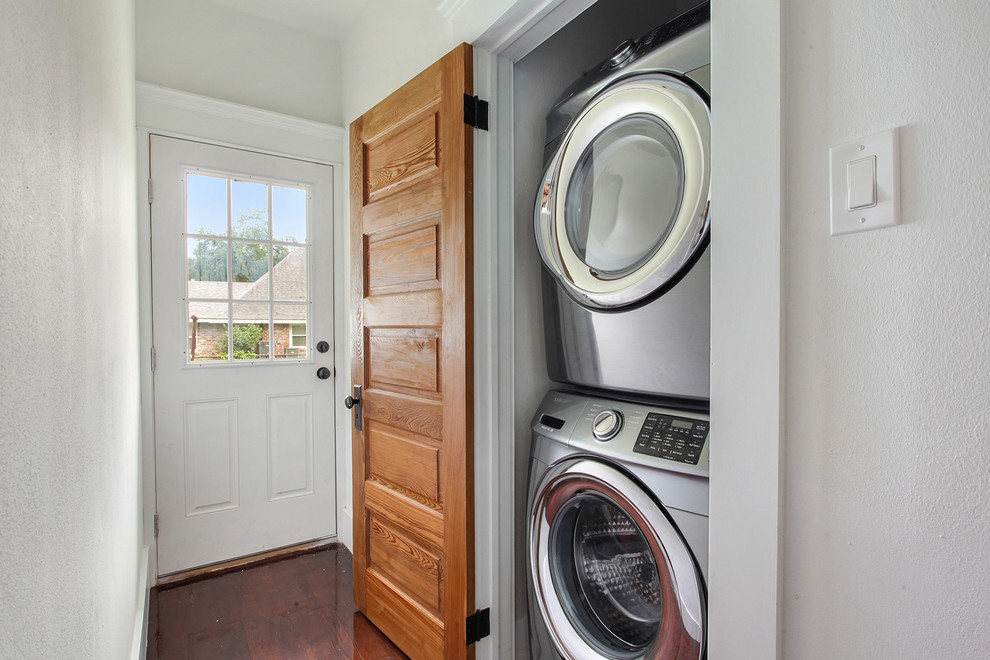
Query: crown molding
[[235, 111]]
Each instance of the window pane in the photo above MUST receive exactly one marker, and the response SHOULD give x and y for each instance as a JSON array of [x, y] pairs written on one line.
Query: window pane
[[207, 268], [633, 171], [298, 339], [249, 206], [206, 204], [250, 331], [289, 214], [232, 278], [207, 331], [290, 331], [250, 274], [289, 273]]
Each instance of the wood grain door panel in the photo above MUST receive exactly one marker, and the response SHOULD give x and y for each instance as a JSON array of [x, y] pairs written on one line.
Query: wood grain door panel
[[404, 260], [404, 361], [413, 459], [404, 461], [407, 152]]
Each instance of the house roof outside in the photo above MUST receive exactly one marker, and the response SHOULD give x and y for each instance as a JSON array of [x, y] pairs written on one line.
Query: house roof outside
[[250, 299]]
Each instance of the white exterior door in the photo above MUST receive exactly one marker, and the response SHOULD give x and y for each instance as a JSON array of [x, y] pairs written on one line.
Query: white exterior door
[[242, 268]]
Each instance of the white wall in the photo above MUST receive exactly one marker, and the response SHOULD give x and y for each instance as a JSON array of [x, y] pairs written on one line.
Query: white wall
[[70, 491], [393, 40], [213, 50], [887, 493]]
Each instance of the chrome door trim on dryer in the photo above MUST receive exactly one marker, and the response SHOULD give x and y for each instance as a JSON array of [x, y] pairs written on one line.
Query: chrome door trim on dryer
[[671, 628], [628, 248]]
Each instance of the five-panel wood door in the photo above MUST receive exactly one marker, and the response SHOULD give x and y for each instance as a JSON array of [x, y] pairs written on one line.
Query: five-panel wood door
[[411, 213]]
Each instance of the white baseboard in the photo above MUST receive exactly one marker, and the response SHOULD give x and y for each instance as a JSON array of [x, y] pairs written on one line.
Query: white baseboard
[[139, 643]]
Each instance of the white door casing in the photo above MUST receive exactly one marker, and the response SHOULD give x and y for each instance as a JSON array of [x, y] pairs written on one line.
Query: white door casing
[[244, 447]]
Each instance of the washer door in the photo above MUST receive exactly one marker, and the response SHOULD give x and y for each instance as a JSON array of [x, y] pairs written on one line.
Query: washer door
[[623, 206], [612, 575]]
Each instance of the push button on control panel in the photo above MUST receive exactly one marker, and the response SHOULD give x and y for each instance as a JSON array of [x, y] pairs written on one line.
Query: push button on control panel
[[672, 438]]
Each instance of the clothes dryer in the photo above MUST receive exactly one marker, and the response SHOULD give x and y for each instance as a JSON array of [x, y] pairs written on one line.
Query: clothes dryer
[[618, 530], [622, 220]]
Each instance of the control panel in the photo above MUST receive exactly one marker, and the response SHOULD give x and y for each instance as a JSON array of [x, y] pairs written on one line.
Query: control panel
[[673, 438]]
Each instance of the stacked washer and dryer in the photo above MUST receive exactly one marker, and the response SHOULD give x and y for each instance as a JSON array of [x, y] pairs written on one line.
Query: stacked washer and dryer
[[618, 488]]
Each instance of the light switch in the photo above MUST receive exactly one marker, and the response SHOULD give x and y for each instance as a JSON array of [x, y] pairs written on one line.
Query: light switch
[[865, 183], [861, 182]]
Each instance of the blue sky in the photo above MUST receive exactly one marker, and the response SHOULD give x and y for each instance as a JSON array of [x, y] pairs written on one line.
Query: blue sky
[[206, 197]]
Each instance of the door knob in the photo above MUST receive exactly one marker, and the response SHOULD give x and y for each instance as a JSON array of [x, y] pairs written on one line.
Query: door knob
[[351, 401], [323, 373], [355, 403]]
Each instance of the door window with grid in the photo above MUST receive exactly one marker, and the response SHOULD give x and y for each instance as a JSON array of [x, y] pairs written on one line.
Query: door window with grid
[[247, 290]]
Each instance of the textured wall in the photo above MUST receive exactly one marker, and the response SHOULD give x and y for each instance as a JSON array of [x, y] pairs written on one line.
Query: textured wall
[[887, 492], [69, 430], [213, 50]]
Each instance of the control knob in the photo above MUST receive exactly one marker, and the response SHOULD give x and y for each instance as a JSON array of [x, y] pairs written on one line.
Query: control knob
[[622, 53], [607, 425]]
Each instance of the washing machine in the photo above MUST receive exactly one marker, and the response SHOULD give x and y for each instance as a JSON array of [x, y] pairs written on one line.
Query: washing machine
[[617, 530], [622, 220]]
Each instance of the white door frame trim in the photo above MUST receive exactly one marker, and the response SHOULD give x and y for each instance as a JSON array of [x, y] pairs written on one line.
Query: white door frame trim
[[747, 331], [493, 360], [179, 114]]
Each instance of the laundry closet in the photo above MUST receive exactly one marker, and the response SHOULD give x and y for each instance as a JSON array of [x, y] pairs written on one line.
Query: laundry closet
[[612, 332]]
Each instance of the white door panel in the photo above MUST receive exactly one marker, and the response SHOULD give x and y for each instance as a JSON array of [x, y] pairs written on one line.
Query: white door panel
[[242, 279]]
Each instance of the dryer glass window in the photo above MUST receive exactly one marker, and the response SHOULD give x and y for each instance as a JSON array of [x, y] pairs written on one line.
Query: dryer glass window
[[607, 575], [624, 195]]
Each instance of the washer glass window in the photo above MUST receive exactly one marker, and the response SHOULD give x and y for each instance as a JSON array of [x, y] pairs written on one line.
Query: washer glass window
[[604, 568], [624, 195]]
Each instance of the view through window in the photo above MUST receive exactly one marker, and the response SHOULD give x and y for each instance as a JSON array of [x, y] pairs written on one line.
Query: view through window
[[247, 291]]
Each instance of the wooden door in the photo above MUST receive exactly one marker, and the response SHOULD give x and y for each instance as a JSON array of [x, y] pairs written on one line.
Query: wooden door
[[411, 212]]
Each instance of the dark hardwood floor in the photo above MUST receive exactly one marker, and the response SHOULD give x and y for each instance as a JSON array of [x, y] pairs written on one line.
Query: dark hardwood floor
[[300, 607]]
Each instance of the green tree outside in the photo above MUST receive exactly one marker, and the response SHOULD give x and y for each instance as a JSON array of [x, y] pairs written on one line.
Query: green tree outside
[[246, 339], [208, 262]]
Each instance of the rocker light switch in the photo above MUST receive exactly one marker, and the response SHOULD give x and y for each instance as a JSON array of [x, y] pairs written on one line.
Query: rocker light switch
[[865, 183], [861, 182]]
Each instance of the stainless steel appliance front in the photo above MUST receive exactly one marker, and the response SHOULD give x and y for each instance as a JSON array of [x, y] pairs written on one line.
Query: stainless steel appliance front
[[618, 531], [622, 219]]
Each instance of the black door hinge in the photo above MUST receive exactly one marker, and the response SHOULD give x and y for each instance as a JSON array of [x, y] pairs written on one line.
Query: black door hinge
[[479, 626], [475, 112]]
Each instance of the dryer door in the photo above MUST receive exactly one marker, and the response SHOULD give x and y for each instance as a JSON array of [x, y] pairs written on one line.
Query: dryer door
[[623, 206], [612, 575]]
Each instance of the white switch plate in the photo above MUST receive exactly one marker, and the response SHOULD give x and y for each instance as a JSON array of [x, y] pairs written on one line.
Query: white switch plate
[[886, 213]]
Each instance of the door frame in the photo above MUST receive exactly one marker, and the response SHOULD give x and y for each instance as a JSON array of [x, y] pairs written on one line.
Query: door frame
[[172, 113]]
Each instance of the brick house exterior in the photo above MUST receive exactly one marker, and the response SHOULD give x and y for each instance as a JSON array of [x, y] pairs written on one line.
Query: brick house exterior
[[209, 306]]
